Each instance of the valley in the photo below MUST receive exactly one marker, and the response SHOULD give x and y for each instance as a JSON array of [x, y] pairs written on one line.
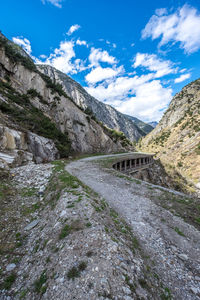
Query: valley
[[76, 221]]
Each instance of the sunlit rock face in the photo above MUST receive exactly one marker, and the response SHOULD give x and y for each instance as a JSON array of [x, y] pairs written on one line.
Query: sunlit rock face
[[176, 139], [39, 120], [103, 112]]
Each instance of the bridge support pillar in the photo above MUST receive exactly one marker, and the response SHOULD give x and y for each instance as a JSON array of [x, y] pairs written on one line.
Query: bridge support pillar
[[125, 164], [130, 163]]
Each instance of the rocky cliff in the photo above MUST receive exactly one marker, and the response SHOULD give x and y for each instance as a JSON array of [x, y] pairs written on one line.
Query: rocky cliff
[[103, 112], [39, 120], [145, 127], [176, 139]]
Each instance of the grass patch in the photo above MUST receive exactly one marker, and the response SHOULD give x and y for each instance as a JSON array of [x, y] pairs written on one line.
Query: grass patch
[[67, 229], [8, 281], [39, 284], [179, 231], [75, 272], [29, 192]]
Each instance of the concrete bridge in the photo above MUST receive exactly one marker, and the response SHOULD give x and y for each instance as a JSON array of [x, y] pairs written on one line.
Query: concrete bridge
[[134, 163]]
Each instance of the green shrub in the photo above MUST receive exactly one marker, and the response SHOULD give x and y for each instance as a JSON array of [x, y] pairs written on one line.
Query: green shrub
[[39, 284], [9, 280], [13, 52]]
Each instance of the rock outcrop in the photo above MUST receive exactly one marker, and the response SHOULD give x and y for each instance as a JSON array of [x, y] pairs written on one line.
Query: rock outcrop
[[17, 147], [176, 139], [103, 112]]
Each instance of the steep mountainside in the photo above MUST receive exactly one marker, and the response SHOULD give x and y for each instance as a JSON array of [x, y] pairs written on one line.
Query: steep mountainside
[[153, 124], [176, 139], [145, 127], [103, 112], [38, 120]]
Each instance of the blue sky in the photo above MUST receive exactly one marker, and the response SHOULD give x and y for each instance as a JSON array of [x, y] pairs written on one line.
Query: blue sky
[[133, 55]]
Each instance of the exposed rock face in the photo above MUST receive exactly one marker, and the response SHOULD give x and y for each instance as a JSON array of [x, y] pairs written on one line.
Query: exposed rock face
[[43, 149], [17, 147], [44, 118], [145, 127], [176, 139], [153, 124], [103, 112]]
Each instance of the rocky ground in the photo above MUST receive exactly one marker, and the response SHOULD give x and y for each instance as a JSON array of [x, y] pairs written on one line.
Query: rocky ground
[[157, 174], [156, 216], [61, 240]]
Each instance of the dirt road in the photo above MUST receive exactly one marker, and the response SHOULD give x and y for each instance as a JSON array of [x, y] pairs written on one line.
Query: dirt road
[[173, 245]]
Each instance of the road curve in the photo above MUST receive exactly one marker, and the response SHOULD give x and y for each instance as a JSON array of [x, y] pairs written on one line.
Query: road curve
[[176, 257]]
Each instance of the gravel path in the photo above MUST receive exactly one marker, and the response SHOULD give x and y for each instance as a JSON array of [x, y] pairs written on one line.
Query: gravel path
[[172, 244]]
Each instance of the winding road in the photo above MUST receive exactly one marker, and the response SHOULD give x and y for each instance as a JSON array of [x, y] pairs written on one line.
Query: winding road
[[176, 257]]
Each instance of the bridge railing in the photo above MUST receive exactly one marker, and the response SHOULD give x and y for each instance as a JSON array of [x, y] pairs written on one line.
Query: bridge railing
[[135, 163]]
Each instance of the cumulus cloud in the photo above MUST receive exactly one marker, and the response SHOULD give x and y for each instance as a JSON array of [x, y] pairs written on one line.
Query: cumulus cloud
[[81, 43], [138, 96], [24, 43], [154, 64], [98, 55], [182, 78], [182, 26], [57, 3], [73, 28], [61, 58], [150, 99], [99, 74]]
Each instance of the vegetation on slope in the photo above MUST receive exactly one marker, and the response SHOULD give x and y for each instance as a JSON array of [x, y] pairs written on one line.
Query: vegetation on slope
[[36, 121], [23, 113], [176, 140]]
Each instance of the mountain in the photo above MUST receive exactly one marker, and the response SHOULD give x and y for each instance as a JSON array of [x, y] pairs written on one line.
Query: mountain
[[39, 121], [176, 139], [145, 127], [103, 112], [153, 124]]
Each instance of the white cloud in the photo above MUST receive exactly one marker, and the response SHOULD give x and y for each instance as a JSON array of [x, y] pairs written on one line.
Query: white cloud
[[136, 96], [81, 43], [43, 56], [57, 3], [182, 78], [99, 55], [161, 11], [183, 70], [98, 74], [183, 26], [62, 57], [150, 99], [154, 64], [73, 28], [24, 43]]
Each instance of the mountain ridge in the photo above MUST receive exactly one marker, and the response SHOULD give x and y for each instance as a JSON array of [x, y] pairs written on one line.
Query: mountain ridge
[[103, 112], [38, 117], [176, 139]]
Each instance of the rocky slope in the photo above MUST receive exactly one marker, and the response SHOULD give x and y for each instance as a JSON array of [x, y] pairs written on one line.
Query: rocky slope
[[38, 119], [145, 127], [176, 139], [153, 124], [60, 240], [103, 112]]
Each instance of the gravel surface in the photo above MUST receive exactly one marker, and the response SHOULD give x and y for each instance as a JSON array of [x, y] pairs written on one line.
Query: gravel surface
[[173, 244]]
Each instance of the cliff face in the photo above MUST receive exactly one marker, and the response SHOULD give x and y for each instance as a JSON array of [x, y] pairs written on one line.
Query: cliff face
[[104, 113], [176, 139], [38, 116]]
